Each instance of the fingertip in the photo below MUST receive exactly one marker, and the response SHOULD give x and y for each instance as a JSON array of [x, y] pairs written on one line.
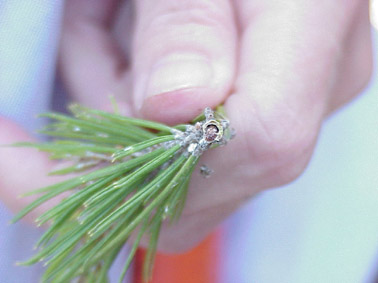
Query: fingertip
[[184, 61], [179, 106], [21, 169], [11, 132]]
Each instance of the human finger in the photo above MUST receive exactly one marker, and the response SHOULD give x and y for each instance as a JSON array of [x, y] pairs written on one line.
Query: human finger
[[355, 61], [91, 62], [183, 57], [22, 169]]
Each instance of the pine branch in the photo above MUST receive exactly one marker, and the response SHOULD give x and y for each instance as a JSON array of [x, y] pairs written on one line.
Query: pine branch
[[132, 174]]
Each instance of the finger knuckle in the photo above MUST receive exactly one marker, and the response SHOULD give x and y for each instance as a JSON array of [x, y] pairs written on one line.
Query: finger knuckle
[[282, 152], [291, 150]]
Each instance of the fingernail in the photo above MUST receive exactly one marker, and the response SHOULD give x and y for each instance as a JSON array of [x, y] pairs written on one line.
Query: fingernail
[[179, 71]]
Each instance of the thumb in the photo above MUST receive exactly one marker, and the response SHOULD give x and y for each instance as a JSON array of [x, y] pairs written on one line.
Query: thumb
[[183, 57]]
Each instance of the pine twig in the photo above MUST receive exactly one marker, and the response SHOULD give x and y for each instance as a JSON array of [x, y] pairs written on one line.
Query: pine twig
[[132, 174]]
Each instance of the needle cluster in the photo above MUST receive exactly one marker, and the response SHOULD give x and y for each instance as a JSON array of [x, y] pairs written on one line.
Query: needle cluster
[[129, 175]]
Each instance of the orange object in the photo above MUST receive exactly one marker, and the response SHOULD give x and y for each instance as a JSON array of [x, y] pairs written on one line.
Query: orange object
[[199, 265]]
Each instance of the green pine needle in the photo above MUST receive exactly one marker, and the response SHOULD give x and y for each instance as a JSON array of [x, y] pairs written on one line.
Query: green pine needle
[[131, 174]]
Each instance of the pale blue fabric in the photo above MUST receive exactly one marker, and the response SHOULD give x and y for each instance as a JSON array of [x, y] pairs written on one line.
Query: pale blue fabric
[[29, 32], [323, 227]]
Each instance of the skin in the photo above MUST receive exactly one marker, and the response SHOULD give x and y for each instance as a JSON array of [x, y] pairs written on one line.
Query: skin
[[279, 67]]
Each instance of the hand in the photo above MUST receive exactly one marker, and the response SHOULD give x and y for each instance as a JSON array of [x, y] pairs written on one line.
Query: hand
[[279, 67]]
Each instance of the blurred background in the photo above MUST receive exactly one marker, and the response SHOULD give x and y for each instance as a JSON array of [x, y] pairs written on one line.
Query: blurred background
[[321, 228]]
